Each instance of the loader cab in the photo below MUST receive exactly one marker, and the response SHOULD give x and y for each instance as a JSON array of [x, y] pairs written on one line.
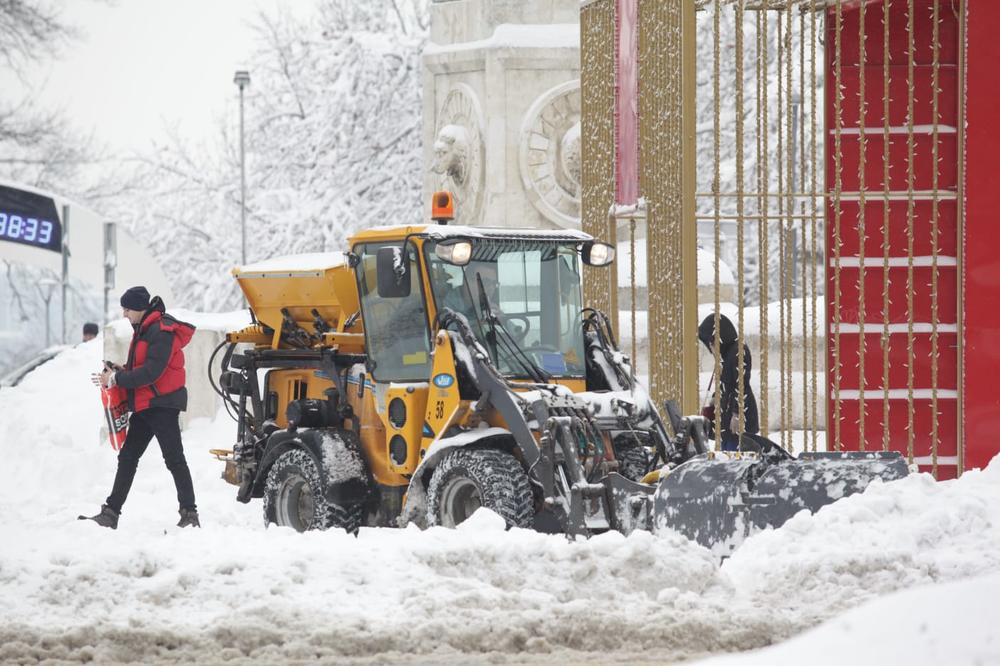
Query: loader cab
[[521, 296], [520, 291], [394, 309]]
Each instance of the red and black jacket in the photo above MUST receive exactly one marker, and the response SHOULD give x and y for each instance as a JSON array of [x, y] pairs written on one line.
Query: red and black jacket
[[154, 373]]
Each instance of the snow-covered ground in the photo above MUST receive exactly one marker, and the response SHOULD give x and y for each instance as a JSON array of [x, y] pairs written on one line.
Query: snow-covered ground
[[233, 591]]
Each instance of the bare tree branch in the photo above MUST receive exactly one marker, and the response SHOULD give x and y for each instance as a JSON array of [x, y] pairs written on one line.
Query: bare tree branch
[[29, 30]]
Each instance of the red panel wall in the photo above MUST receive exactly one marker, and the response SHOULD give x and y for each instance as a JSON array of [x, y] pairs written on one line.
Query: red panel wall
[[867, 392], [981, 287]]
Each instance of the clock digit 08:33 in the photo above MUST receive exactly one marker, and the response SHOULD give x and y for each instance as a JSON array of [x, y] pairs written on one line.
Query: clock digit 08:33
[[26, 229]]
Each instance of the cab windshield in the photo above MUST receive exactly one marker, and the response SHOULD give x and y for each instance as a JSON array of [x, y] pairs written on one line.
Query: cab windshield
[[518, 293]]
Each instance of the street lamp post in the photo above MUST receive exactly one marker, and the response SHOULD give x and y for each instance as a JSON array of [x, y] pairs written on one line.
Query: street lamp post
[[45, 287], [242, 79]]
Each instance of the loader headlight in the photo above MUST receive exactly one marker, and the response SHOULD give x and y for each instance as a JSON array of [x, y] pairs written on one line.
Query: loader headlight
[[595, 253], [455, 252], [398, 450], [397, 413]]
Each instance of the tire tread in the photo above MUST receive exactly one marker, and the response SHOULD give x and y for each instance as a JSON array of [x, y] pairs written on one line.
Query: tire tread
[[348, 517], [502, 482]]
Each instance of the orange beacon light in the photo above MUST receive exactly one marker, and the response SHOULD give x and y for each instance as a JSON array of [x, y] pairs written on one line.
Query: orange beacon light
[[442, 207]]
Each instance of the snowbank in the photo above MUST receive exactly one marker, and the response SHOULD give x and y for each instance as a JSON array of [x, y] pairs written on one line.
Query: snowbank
[[234, 591], [49, 427], [910, 532], [954, 623]]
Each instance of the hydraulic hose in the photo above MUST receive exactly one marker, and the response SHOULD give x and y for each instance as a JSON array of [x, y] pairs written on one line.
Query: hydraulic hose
[[227, 400]]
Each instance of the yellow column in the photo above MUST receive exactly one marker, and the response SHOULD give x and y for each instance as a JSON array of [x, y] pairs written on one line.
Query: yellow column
[[667, 180], [597, 88]]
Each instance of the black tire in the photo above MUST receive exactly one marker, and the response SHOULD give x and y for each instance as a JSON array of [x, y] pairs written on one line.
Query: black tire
[[294, 496], [633, 462], [467, 479]]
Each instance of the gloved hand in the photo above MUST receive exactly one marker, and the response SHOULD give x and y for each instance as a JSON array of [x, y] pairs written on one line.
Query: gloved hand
[[106, 377]]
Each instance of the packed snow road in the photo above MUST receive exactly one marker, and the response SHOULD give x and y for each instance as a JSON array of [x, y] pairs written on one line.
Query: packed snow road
[[234, 592]]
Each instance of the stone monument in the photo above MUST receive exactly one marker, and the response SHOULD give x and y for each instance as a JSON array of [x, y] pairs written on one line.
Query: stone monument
[[502, 111]]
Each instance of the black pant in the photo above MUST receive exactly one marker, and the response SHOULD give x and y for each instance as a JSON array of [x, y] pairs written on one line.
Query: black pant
[[163, 424]]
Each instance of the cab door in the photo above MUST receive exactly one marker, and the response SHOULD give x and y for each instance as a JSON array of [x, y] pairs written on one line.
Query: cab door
[[397, 337]]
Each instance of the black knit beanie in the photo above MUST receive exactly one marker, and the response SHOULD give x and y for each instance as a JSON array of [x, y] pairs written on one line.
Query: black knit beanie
[[135, 298]]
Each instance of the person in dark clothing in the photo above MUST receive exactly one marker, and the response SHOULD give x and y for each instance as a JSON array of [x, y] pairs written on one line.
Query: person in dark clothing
[[154, 380], [728, 383]]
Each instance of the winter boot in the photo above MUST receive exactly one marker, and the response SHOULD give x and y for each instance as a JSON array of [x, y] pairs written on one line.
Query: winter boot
[[108, 517], [189, 518]]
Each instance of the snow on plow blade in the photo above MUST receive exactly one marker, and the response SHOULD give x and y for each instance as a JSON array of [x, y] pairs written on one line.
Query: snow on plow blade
[[719, 503]]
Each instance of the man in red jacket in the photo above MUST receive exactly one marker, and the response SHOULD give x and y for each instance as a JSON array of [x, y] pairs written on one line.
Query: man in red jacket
[[154, 379]]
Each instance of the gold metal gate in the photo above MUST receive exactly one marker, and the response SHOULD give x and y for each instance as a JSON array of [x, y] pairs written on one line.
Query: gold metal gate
[[812, 150]]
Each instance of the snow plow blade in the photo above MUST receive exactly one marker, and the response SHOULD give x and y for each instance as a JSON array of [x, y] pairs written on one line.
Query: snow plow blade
[[718, 503]]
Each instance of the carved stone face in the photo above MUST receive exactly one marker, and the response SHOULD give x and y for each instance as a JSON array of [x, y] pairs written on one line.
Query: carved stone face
[[451, 150], [456, 153]]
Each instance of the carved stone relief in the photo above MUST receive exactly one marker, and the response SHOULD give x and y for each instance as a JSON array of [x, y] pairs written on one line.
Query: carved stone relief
[[458, 152], [550, 154]]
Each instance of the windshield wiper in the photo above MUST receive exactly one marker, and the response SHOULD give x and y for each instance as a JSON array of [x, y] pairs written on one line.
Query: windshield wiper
[[511, 346]]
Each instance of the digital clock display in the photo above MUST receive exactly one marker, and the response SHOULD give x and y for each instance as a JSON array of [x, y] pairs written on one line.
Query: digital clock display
[[29, 219]]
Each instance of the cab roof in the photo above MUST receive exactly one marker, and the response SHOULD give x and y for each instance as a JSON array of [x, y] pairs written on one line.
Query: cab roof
[[442, 231]]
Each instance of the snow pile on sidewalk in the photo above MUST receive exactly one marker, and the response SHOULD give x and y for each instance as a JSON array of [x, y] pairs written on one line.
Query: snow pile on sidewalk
[[48, 435], [150, 591], [952, 623], [910, 532], [235, 591]]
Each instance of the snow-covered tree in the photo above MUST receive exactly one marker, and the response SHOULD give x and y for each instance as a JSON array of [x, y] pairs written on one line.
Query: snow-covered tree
[[333, 117], [778, 119], [40, 147]]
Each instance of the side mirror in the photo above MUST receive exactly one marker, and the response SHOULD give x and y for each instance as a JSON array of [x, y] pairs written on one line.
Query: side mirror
[[595, 253], [392, 269]]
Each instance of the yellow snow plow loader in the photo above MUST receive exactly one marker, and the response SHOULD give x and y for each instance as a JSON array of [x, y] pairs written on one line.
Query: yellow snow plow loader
[[431, 370]]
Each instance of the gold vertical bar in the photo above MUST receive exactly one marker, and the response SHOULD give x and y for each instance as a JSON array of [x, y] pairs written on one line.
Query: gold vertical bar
[[611, 237], [837, 188], [740, 337], [787, 262], [763, 240], [689, 223], [814, 224], [761, 255], [782, 377], [862, 144], [802, 210], [634, 291], [960, 241], [788, 237], [597, 90], [666, 131], [935, 82], [909, 231], [886, 339], [716, 186]]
